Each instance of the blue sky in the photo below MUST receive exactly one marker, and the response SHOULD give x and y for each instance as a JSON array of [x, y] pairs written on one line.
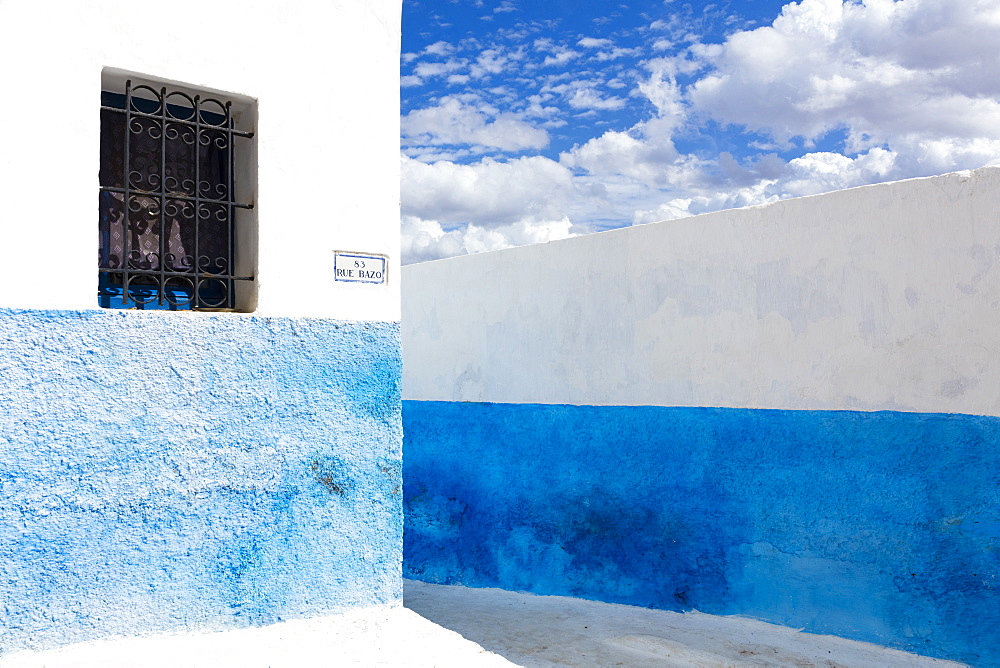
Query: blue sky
[[527, 121]]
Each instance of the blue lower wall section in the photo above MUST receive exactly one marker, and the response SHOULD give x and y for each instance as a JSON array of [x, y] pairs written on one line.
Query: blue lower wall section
[[170, 471], [882, 527]]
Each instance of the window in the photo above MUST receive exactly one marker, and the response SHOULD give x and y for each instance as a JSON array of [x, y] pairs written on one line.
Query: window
[[169, 210]]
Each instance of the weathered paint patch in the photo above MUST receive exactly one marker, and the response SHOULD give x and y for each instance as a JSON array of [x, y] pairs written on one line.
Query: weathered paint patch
[[882, 527], [169, 471]]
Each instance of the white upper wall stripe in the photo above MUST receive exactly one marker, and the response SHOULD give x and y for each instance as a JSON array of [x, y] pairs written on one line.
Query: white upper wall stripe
[[326, 79], [881, 297]]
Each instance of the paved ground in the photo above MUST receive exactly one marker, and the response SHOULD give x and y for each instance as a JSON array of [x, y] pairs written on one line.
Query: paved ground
[[498, 628], [556, 631], [371, 637]]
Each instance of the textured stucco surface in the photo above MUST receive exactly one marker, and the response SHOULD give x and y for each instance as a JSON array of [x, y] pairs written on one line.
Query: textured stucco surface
[[178, 471], [881, 526]]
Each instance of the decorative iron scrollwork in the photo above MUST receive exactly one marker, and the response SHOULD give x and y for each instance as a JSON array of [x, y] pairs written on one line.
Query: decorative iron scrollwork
[[167, 206]]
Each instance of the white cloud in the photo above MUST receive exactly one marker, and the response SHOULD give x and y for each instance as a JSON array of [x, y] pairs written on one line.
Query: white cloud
[[439, 49], [451, 209], [424, 240], [588, 98], [606, 48], [618, 52], [681, 207], [436, 154], [455, 122], [883, 70], [921, 155], [662, 90], [822, 172], [887, 88], [583, 94], [646, 154], [492, 61], [487, 193], [426, 70], [538, 107], [595, 43], [560, 56]]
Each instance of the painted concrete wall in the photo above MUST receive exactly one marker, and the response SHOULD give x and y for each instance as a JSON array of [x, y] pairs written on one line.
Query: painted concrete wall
[[187, 471], [882, 297], [877, 526], [246, 474], [326, 79], [788, 412]]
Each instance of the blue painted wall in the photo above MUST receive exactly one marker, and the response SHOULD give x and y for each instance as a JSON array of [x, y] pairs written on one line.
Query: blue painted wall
[[170, 472], [882, 527]]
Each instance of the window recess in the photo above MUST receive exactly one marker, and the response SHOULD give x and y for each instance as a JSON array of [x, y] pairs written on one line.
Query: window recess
[[168, 207]]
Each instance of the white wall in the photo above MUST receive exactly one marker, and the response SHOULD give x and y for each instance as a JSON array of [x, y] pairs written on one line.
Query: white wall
[[882, 297], [326, 77]]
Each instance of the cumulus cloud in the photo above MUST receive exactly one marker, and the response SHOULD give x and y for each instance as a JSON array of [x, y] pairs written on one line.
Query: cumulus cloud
[[880, 70], [424, 240], [452, 209], [635, 154], [584, 94], [909, 95], [606, 48], [663, 91], [831, 95], [452, 121], [560, 54], [693, 204], [427, 70], [492, 61], [617, 52], [595, 43], [824, 171], [486, 193], [439, 49], [590, 98]]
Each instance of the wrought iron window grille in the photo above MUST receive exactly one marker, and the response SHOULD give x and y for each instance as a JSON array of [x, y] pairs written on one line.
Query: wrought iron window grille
[[168, 201]]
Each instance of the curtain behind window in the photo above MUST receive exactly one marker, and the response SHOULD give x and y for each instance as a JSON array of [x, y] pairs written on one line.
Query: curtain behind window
[[162, 169]]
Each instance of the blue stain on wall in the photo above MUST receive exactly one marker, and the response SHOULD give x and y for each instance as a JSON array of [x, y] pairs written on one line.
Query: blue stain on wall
[[883, 527], [174, 471]]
